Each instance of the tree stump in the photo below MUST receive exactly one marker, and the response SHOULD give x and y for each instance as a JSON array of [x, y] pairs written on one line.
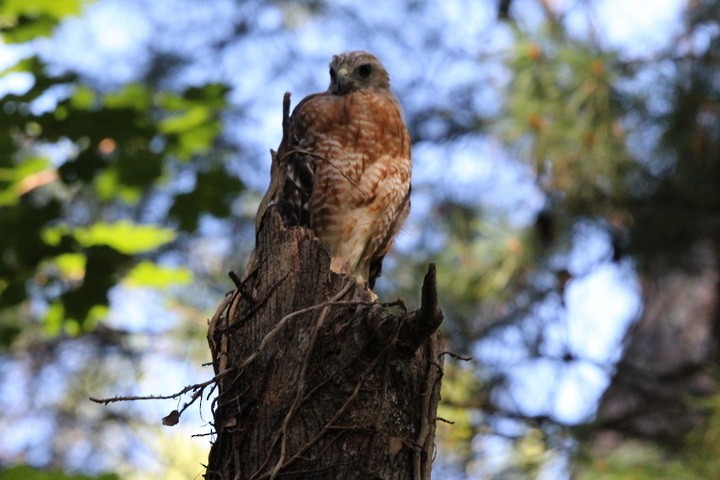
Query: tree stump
[[315, 380]]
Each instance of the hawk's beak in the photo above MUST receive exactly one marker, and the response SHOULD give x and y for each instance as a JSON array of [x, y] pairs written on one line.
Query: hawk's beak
[[342, 81]]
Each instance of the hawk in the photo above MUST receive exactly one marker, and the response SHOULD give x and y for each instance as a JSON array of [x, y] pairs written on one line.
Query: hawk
[[349, 166]]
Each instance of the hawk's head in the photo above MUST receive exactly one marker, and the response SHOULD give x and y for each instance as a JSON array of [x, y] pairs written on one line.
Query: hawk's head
[[352, 71]]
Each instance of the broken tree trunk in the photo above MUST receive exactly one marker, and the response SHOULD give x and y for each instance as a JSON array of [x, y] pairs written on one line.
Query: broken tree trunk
[[316, 381]]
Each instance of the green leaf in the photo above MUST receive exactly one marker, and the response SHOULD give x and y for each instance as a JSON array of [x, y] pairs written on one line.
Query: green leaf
[[53, 235], [149, 274], [24, 20], [26, 472], [8, 196], [197, 141], [19, 181], [71, 265], [94, 316], [53, 8], [30, 166], [108, 186], [192, 124], [84, 98], [92, 274], [124, 236], [193, 131], [134, 96], [211, 95], [24, 29], [54, 319], [186, 121], [214, 192], [86, 304], [24, 248], [139, 169]]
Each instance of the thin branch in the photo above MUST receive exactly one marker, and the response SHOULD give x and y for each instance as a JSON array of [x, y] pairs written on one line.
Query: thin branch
[[444, 420], [132, 398], [240, 285], [397, 303], [256, 307], [456, 356]]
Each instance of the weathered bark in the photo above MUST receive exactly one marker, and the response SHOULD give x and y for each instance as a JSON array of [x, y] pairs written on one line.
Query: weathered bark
[[316, 381]]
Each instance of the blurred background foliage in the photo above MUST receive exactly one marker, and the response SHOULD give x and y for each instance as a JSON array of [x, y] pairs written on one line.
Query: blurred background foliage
[[566, 183]]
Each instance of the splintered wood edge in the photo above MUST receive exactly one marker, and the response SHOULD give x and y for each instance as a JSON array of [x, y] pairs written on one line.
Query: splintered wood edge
[[422, 323]]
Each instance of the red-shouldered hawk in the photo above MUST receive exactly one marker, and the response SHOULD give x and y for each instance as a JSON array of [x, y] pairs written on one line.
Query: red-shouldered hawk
[[349, 166]]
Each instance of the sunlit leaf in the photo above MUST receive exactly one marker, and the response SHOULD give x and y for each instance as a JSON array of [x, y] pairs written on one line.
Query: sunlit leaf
[[124, 236], [71, 265], [25, 29], [197, 141], [95, 315], [55, 8], [54, 319], [108, 186], [26, 472], [30, 166], [188, 120], [149, 274], [135, 96], [86, 304], [84, 98], [53, 235], [24, 20], [8, 196], [192, 125], [24, 177]]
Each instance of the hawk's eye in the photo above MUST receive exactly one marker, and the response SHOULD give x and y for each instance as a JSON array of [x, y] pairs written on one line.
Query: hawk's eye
[[364, 70], [332, 74]]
